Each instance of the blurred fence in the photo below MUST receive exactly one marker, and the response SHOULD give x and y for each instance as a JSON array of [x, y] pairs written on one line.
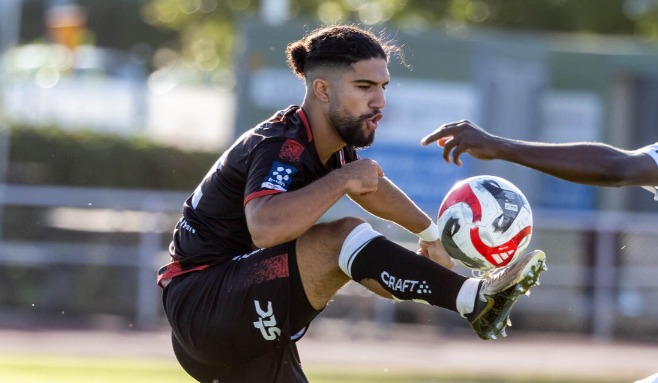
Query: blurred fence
[[72, 253], [98, 240]]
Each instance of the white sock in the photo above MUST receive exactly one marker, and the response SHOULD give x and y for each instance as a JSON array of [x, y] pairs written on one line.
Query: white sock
[[358, 237], [467, 296]]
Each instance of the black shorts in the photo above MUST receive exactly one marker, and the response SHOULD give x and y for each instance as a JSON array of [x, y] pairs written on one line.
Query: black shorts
[[237, 321]]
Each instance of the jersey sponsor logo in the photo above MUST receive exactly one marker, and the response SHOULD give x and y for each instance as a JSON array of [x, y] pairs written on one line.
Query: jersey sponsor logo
[[186, 226], [280, 177], [266, 322], [405, 285], [291, 151]]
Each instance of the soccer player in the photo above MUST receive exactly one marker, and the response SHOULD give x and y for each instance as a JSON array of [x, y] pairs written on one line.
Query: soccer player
[[589, 163], [251, 266]]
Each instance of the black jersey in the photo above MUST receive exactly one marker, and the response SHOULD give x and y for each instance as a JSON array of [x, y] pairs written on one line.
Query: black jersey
[[276, 156]]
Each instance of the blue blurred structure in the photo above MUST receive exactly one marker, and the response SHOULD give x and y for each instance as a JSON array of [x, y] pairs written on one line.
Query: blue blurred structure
[[410, 169]]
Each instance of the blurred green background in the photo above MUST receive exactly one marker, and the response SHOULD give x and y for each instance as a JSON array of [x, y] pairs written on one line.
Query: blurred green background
[[112, 111]]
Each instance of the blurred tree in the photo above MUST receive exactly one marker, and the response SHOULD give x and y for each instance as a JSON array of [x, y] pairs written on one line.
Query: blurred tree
[[201, 33], [115, 24], [206, 28]]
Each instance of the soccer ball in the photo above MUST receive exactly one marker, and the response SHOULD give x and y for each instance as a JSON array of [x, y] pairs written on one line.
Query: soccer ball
[[485, 222]]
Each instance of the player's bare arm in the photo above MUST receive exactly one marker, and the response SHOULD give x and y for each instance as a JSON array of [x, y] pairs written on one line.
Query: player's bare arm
[[283, 217], [392, 204]]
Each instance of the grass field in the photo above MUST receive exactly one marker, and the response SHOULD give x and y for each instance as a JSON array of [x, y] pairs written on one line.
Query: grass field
[[70, 369]]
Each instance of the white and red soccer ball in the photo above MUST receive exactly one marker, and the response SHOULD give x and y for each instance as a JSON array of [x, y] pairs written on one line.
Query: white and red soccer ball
[[485, 222]]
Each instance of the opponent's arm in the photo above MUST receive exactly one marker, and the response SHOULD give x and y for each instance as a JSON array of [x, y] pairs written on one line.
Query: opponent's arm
[[588, 163]]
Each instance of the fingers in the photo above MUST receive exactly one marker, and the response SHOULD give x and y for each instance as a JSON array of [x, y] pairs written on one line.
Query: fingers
[[456, 154], [453, 147], [439, 134], [445, 131], [423, 253], [375, 164], [380, 171], [446, 262], [448, 146], [436, 252], [435, 135]]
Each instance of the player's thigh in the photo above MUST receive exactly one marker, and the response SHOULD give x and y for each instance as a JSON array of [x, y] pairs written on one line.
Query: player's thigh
[[317, 257]]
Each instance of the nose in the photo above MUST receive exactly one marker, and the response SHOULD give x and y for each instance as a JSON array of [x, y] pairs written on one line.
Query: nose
[[379, 100]]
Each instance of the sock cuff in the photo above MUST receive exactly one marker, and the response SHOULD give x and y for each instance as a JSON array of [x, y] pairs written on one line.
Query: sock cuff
[[467, 296], [354, 242]]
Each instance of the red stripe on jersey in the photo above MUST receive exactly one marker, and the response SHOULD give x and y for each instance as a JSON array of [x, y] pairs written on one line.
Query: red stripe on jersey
[[301, 113], [174, 269], [260, 194]]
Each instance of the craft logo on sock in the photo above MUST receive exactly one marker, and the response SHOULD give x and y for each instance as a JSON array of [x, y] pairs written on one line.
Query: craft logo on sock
[[405, 285], [280, 177], [266, 322]]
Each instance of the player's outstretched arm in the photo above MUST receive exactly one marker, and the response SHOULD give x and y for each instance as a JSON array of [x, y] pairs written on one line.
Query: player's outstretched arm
[[590, 163], [392, 204]]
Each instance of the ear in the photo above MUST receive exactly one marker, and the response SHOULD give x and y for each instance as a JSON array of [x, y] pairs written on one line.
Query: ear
[[321, 89]]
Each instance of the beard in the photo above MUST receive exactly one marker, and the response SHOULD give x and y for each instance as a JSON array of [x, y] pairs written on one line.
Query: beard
[[350, 128]]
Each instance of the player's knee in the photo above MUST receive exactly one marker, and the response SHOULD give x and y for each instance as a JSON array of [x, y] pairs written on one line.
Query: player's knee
[[327, 237], [344, 226]]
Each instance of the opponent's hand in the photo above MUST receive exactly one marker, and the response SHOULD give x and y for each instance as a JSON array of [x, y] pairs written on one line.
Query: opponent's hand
[[461, 137], [362, 176], [435, 251]]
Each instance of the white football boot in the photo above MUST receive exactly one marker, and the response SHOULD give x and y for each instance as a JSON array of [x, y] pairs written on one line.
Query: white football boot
[[499, 291]]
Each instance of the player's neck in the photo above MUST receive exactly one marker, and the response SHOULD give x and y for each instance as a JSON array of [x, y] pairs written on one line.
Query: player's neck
[[326, 139]]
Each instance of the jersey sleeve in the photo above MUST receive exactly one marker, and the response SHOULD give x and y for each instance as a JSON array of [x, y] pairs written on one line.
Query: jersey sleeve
[[275, 166], [651, 151]]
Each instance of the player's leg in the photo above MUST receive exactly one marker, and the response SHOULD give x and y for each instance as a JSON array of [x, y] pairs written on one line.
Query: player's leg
[[367, 257], [382, 266], [317, 259], [232, 322]]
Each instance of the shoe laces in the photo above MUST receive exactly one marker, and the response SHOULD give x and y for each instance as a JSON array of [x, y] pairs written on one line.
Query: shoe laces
[[489, 278], [489, 275]]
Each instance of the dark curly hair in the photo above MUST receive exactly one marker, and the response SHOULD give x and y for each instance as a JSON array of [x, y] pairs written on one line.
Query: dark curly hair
[[337, 45]]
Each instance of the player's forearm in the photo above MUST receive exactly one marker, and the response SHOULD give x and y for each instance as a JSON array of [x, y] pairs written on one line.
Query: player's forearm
[[283, 217], [585, 163], [392, 204]]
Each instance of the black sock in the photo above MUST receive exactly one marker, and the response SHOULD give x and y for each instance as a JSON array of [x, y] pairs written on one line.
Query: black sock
[[407, 275]]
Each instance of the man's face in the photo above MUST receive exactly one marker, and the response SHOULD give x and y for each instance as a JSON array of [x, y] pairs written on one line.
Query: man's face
[[357, 100]]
